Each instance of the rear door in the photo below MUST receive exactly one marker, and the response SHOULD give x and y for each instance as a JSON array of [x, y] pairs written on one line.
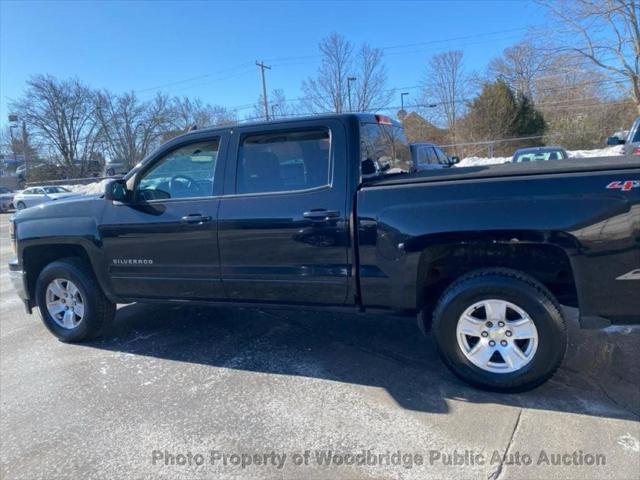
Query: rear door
[[164, 244], [283, 223]]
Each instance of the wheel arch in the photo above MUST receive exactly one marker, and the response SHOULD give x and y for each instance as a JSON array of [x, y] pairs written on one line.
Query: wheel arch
[[543, 256], [36, 255]]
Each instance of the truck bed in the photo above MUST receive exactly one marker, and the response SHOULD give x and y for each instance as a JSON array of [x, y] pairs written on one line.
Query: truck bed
[[572, 165]]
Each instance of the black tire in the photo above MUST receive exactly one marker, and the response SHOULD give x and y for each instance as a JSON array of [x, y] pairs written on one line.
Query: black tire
[[515, 287], [98, 312], [20, 206]]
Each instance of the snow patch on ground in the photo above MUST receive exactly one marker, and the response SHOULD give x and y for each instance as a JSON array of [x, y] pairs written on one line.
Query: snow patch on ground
[[477, 161], [88, 189], [598, 152]]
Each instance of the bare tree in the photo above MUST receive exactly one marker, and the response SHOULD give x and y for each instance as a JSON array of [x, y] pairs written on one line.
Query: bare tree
[[61, 113], [371, 79], [14, 146], [446, 82], [329, 90], [606, 32], [519, 66], [188, 112], [278, 103], [130, 128]]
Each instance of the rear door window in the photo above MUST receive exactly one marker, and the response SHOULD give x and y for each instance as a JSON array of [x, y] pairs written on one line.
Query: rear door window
[[283, 161]]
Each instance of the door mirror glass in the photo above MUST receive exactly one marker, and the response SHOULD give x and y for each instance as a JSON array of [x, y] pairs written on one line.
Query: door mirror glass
[[454, 160], [116, 190]]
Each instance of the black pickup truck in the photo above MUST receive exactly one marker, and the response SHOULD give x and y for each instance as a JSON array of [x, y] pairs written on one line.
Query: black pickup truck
[[326, 212]]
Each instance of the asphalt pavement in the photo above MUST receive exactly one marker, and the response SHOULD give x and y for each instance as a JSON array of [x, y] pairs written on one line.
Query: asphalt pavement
[[186, 392]]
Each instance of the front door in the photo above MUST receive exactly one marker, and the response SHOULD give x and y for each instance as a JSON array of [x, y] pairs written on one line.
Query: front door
[[164, 243], [283, 224]]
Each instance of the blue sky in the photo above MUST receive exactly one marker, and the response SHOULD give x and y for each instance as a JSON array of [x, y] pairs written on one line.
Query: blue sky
[[207, 49]]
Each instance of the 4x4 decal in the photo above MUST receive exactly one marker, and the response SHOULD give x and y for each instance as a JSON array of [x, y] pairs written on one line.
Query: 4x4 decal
[[624, 185]]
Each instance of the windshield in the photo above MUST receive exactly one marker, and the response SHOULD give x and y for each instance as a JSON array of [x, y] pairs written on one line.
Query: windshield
[[56, 190], [384, 150]]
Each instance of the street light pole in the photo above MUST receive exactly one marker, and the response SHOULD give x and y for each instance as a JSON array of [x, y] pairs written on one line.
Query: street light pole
[[349, 80], [402, 95], [24, 149]]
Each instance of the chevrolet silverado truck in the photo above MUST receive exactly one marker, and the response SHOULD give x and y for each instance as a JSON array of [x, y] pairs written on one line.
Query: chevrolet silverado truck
[[326, 212]]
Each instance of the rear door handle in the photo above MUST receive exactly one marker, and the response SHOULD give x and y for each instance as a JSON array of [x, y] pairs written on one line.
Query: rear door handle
[[321, 214], [195, 218]]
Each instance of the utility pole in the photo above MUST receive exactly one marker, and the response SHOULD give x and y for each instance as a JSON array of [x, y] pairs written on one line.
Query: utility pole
[[349, 80], [264, 88]]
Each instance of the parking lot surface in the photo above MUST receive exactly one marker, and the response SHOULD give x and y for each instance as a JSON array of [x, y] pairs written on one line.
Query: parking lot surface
[[186, 392]]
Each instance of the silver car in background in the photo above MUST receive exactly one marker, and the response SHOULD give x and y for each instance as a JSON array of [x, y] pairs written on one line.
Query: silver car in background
[[115, 168], [32, 196]]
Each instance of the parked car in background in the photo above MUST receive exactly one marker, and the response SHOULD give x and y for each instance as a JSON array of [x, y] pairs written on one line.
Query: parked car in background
[[36, 195], [81, 169], [6, 199], [427, 156], [114, 168], [539, 154], [631, 142]]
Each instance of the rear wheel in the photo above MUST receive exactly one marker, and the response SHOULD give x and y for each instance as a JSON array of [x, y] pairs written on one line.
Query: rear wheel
[[71, 303], [500, 329]]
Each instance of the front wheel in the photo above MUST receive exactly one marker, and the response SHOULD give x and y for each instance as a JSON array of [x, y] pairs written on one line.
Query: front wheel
[[72, 305], [20, 206], [500, 329]]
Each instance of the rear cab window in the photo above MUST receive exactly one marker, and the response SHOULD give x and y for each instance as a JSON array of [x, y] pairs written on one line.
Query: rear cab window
[[384, 150]]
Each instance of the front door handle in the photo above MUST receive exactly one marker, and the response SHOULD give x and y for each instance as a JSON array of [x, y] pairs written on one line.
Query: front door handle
[[195, 218], [321, 214]]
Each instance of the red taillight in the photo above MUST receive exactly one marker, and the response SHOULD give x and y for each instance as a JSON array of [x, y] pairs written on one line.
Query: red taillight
[[636, 151], [383, 120]]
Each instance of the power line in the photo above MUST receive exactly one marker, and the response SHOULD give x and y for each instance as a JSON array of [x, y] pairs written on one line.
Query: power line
[[191, 79], [281, 61]]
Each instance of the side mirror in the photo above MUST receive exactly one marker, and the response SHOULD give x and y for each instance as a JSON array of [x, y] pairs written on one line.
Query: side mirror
[[614, 141], [454, 160], [116, 190]]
